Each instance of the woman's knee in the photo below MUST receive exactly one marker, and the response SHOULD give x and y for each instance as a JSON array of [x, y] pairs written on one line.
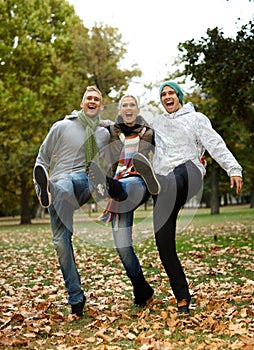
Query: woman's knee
[[126, 254]]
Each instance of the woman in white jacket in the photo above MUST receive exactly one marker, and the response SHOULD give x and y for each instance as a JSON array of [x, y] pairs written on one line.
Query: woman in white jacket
[[181, 137]]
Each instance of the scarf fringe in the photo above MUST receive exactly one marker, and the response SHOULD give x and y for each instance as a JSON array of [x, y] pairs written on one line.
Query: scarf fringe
[[106, 217]]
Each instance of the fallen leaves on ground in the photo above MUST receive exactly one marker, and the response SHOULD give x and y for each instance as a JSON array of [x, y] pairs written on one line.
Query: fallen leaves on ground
[[35, 315]]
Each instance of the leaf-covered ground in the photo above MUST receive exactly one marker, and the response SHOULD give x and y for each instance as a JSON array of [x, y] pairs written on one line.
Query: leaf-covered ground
[[34, 313]]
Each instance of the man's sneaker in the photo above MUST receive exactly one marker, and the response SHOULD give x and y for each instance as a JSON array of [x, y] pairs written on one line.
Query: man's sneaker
[[41, 182], [144, 168], [98, 179], [183, 308], [77, 309]]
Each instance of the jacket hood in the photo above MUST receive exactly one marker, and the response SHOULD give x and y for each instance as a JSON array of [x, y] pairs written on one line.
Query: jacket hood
[[73, 115]]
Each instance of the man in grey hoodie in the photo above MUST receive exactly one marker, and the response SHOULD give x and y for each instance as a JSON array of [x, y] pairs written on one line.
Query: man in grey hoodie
[[64, 154], [181, 137]]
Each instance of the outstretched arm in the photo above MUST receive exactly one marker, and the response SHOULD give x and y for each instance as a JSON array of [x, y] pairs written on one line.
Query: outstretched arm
[[238, 181]]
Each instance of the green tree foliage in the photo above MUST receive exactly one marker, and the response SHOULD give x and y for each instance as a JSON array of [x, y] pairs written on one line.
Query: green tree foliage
[[104, 53], [223, 68], [36, 51], [46, 62]]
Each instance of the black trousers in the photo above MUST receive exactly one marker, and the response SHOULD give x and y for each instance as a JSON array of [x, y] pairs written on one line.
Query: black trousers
[[176, 189]]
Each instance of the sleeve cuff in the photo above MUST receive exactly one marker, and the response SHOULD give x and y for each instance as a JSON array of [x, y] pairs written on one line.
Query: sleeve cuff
[[235, 172]]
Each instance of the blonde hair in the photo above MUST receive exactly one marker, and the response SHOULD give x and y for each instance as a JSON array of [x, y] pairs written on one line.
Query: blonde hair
[[125, 96], [91, 88]]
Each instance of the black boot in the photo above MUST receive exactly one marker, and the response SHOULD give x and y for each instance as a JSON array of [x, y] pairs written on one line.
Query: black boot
[[115, 189], [105, 186], [78, 308], [183, 307], [142, 291]]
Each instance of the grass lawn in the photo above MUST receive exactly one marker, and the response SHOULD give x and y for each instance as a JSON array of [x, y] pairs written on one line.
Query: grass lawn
[[216, 252]]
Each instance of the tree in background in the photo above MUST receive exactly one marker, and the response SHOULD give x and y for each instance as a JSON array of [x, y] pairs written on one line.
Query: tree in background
[[223, 68], [43, 74], [103, 55]]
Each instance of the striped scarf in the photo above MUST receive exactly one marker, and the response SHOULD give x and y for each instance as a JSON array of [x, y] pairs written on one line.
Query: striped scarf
[[124, 169], [130, 147]]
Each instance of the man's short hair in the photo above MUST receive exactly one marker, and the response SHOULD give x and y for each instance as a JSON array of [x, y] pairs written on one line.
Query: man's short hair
[[91, 88]]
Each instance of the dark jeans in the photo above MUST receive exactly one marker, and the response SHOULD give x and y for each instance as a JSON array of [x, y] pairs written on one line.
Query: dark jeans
[[176, 188]]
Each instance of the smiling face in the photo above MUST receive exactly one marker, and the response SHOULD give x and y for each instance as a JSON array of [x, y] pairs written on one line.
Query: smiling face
[[129, 110], [170, 100], [91, 103]]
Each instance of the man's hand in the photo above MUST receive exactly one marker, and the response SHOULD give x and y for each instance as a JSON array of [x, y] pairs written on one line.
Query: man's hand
[[238, 182]]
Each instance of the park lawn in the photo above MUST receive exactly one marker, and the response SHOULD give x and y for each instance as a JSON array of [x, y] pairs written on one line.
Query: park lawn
[[216, 252]]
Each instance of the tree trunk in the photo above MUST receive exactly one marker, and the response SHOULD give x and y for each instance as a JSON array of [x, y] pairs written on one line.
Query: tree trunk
[[25, 213], [215, 205], [225, 199], [252, 198]]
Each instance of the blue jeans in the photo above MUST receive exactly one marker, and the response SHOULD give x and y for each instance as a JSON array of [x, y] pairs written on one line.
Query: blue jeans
[[69, 193], [123, 222]]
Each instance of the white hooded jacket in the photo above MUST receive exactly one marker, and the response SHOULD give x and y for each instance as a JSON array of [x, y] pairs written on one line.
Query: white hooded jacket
[[185, 135]]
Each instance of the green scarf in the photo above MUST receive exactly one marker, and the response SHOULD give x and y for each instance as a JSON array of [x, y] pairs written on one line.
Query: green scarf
[[89, 124]]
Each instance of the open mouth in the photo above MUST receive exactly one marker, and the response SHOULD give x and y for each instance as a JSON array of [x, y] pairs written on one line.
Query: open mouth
[[91, 107], [170, 103]]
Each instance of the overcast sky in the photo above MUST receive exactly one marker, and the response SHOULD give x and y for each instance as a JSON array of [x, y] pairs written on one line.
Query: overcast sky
[[153, 29]]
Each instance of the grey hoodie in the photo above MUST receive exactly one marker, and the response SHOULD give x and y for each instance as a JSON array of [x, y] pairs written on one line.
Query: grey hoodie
[[185, 135], [62, 151]]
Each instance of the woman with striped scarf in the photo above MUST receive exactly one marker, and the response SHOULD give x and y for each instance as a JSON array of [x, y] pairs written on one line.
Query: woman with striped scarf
[[126, 189]]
